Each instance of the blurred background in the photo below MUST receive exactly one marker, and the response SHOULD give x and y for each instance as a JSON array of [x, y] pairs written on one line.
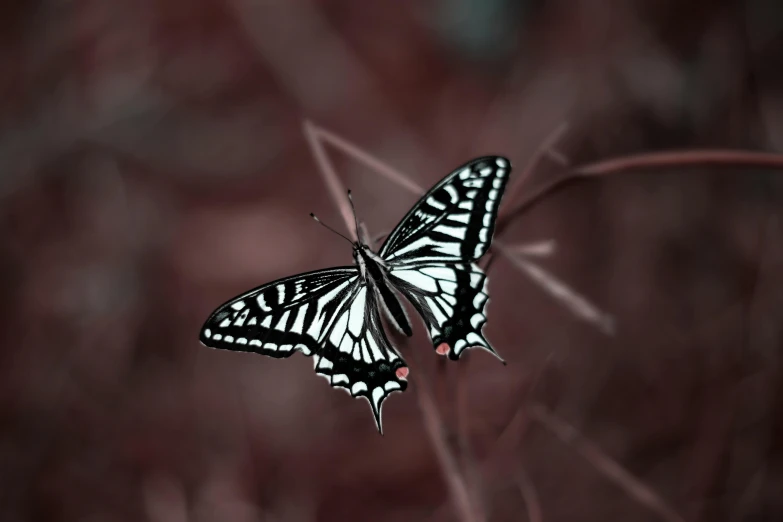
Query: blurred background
[[153, 164]]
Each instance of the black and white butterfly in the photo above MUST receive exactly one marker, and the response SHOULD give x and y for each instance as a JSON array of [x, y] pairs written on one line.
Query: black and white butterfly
[[334, 315]]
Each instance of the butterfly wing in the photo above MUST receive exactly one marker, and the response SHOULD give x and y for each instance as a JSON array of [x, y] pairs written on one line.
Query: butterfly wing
[[429, 255], [328, 314], [359, 357], [455, 220], [451, 300]]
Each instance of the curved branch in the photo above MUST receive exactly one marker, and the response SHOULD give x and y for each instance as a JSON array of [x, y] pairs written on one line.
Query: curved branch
[[684, 158]]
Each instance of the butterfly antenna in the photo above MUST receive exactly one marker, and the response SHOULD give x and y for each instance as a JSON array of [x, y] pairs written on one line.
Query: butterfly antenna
[[330, 228], [355, 219]]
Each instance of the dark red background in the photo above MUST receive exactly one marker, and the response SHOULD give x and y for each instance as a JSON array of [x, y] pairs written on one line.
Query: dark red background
[[153, 164]]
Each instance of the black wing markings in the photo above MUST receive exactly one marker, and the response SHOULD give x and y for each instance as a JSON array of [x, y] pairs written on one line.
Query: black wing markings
[[430, 253], [328, 314], [455, 220], [451, 299]]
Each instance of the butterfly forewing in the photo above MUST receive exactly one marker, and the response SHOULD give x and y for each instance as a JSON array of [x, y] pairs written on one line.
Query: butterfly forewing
[[285, 315], [455, 220]]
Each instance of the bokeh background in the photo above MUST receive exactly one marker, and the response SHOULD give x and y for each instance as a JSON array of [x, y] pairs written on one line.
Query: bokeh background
[[153, 164]]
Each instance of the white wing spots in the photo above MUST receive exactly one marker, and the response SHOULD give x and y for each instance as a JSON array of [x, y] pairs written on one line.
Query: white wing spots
[[339, 330], [253, 321], [445, 306], [502, 163], [238, 305], [483, 234], [229, 339], [270, 346], [377, 395], [356, 312], [496, 183], [486, 171], [298, 323], [262, 302], [435, 203], [423, 241], [242, 340], [325, 364], [225, 322], [487, 219], [451, 249], [464, 174], [267, 322], [242, 317], [475, 279], [478, 251], [338, 378], [462, 218], [283, 319], [476, 320], [493, 194], [458, 233], [301, 347], [474, 183], [418, 279], [439, 272], [478, 301], [452, 193], [466, 205], [471, 194], [280, 294], [358, 387], [218, 337], [448, 287], [391, 385], [490, 205], [474, 340], [255, 342], [459, 345], [207, 333], [439, 317], [346, 345]]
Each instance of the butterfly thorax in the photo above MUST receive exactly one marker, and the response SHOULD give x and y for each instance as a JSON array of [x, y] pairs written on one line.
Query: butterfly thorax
[[374, 271]]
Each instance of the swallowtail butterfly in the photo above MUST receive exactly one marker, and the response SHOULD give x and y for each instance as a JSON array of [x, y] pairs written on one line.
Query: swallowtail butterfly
[[334, 315]]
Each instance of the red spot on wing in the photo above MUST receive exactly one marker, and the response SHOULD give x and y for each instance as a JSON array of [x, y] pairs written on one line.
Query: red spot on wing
[[443, 349], [402, 373]]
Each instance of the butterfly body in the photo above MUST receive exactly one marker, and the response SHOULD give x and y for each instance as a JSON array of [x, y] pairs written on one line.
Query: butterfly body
[[374, 271], [334, 315]]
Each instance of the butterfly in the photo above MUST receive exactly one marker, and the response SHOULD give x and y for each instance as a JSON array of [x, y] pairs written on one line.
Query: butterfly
[[334, 315]]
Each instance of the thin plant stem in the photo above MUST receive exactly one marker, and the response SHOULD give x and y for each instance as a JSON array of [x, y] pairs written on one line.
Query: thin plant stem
[[578, 304], [686, 158], [530, 495], [608, 467], [369, 160], [532, 164], [434, 426], [333, 183]]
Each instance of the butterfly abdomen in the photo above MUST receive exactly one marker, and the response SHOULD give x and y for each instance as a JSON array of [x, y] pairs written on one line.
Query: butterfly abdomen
[[395, 309]]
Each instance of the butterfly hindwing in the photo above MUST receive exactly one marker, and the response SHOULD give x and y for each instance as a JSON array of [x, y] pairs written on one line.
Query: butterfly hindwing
[[451, 299], [357, 354], [455, 220]]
